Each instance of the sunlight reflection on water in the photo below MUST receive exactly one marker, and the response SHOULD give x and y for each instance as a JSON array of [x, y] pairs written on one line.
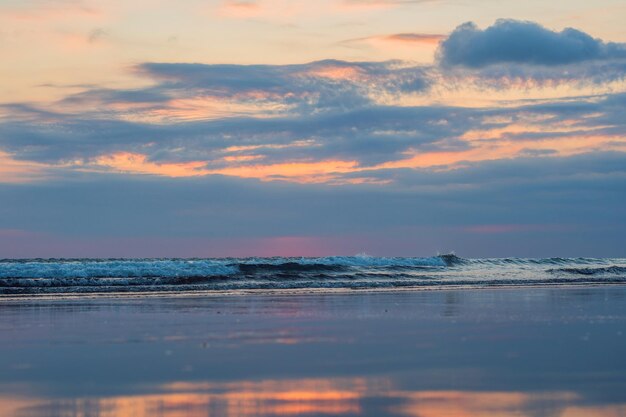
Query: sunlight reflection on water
[[340, 397]]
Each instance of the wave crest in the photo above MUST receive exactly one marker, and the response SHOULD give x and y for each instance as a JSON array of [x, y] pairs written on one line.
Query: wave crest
[[612, 270], [52, 276]]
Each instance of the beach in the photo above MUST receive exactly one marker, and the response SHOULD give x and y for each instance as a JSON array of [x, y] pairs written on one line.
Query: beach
[[535, 351], [353, 208]]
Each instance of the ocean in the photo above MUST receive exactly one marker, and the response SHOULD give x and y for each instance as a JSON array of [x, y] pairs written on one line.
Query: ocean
[[360, 272]]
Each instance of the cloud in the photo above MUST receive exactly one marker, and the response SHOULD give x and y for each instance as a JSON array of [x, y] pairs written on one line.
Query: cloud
[[14, 171], [407, 40], [520, 42], [427, 38], [367, 135], [317, 85], [431, 209], [520, 55], [385, 148], [325, 121], [360, 145]]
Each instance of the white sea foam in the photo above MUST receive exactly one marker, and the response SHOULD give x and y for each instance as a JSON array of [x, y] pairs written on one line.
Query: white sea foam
[[115, 268], [356, 272]]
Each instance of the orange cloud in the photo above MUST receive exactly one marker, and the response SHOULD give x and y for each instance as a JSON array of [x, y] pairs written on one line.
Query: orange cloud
[[495, 148], [527, 126], [405, 46], [335, 72], [14, 171], [240, 9], [138, 164], [332, 170], [304, 172], [412, 38]]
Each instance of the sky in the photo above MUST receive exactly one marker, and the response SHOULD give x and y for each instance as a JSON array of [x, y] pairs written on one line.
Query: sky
[[297, 128]]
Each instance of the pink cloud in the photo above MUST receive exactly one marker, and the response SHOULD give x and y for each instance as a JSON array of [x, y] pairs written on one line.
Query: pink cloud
[[240, 9], [15, 171]]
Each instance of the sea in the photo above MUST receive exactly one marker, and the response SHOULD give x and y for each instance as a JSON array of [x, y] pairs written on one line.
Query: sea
[[58, 277]]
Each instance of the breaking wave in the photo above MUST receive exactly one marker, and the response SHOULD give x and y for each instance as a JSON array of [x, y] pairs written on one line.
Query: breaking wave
[[52, 276], [613, 269]]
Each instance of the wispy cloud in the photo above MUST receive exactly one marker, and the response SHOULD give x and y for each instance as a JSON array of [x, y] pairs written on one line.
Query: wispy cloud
[[428, 38], [327, 121], [407, 40], [334, 147]]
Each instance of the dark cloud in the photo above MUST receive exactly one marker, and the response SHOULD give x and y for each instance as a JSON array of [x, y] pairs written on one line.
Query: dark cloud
[[320, 85], [329, 107], [110, 96], [529, 152], [527, 77], [58, 138], [368, 135], [521, 42], [561, 175], [224, 79]]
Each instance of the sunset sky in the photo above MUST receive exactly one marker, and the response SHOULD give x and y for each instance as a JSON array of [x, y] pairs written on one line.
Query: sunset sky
[[287, 127]]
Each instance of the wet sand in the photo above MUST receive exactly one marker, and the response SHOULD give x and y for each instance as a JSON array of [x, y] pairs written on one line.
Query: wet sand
[[505, 352]]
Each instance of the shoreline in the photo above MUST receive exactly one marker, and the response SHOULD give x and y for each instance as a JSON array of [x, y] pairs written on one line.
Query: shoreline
[[16, 298]]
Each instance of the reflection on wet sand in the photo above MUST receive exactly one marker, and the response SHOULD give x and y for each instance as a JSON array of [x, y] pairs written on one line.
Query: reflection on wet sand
[[341, 396], [489, 353]]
